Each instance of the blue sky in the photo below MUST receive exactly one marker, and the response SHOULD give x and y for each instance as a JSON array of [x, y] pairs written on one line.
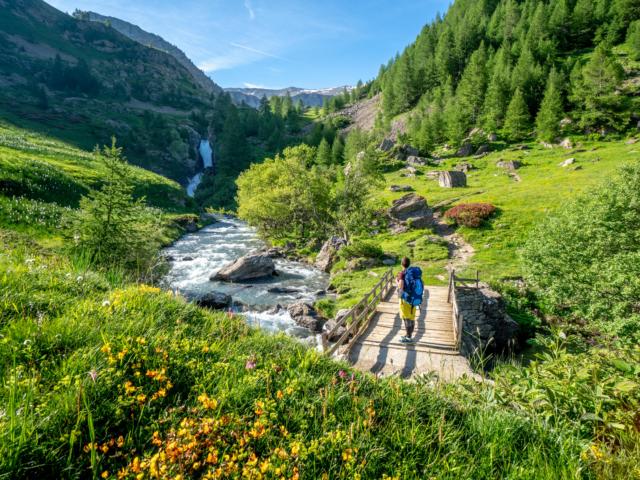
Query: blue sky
[[278, 43]]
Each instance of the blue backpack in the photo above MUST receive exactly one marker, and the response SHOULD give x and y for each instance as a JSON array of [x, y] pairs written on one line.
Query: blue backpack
[[413, 286]]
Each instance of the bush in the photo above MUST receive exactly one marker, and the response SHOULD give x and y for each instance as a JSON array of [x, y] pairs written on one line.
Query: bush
[[470, 214], [361, 249], [585, 260]]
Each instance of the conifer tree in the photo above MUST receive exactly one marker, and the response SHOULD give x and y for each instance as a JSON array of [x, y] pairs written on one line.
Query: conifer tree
[[517, 122], [323, 154], [471, 89], [551, 110], [633, 40], [497, 98], [337, 151], [595, 92], [559, 22]]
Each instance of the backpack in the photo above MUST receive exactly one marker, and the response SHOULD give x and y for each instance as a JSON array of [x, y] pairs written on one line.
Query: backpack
[[413, 286]]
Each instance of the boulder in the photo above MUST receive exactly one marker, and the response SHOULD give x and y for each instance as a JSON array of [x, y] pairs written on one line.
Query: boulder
[[546, 144], [411, 210], [283, 290], [409, 151], [333, 333], [566, 143], [401, 188], [411, 170], [306, 316], [250, 267], [358, 264], [331, 325], [483, 149], [509, 164], [462, 167], [433, 174], [492, 137], [567, 162], [328, 253], [215, 300], [631, 141], [565, 122], [389, 261], [273, 252], [416, 161], [465, 150], [452, 179], [386, 145]]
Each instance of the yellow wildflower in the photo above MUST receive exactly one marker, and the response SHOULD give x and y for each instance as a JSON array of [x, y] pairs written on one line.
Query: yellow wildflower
[[105, 474]]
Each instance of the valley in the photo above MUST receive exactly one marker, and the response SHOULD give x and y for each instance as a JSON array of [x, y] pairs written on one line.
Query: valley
[[179, 261]]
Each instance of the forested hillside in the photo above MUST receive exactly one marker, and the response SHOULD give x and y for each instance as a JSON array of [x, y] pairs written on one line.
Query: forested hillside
[[513, 68]]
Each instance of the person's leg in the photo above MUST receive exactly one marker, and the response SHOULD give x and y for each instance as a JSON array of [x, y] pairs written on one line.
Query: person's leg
[[410, 324]]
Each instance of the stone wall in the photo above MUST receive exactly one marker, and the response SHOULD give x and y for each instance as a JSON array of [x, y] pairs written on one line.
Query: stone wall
[[486, 326]]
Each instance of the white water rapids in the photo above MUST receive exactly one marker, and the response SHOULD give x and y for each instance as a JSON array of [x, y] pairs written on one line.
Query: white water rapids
[[206, 153], [197, 256]]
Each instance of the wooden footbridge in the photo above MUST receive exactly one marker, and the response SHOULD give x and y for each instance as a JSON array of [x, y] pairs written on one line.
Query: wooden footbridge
[[371, 341]]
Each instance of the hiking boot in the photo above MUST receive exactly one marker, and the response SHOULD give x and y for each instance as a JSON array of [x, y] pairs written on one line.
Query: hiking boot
[[404, 339]]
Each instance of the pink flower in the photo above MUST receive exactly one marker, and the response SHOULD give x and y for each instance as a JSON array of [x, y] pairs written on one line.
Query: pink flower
[[342, 374], [250, 365], [93, 374]]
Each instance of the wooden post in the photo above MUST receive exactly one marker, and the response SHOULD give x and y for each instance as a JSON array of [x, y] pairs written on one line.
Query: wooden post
[[477, 278]]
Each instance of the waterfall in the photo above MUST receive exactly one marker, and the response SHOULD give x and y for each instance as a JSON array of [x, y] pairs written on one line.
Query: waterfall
[[206, 153]]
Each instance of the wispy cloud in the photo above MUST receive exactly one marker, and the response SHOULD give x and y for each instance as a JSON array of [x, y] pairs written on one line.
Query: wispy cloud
[[249, 7], [255, 50], [253, 85], [235, 57]]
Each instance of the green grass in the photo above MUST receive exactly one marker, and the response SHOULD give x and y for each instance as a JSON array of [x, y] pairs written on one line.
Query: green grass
[[98, 372], [41, 168], [543, 187]]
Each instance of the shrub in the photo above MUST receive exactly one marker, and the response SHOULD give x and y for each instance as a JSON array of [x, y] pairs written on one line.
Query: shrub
[[360, 249], [585, 260], [470, 214]]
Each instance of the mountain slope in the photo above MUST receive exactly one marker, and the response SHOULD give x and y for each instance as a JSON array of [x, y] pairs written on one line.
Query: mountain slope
[[489, 64], [84, 82], [143, 37]]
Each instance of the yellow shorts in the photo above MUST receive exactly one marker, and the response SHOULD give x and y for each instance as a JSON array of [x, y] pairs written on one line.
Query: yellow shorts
[[407, 312]]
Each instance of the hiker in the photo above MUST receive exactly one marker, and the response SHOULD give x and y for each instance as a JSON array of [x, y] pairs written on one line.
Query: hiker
[[410, 289]]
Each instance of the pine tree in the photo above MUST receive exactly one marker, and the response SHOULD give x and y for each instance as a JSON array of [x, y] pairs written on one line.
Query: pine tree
[[496, 100], [582, 23], [517, 122], [595, 92], [551, 110], [633, 40], [559, 23], [337, 151], [112, 227], [323, 154], [471, 89], [527, 76]]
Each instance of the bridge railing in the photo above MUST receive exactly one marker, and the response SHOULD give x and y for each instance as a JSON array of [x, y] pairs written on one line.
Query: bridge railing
[[358, 316], [451, 298]]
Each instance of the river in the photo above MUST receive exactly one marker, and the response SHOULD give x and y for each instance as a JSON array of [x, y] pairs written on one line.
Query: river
[[196, 256]]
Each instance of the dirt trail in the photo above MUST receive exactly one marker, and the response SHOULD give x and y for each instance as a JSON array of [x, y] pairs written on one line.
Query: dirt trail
[[459, 250]]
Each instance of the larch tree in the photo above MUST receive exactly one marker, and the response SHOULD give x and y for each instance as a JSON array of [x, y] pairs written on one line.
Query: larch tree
[[517, 123]]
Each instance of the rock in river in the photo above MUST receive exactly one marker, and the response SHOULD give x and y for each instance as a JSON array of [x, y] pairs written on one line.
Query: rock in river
[[215, 300], [250, 267], [306, 316]]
